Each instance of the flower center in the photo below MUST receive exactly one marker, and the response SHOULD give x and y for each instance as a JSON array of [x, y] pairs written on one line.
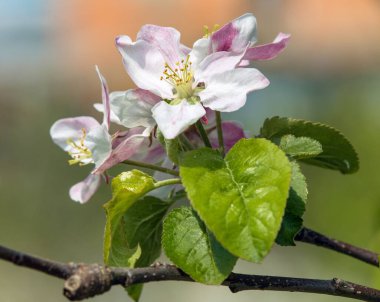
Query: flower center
[[80, 153], [180, 77]]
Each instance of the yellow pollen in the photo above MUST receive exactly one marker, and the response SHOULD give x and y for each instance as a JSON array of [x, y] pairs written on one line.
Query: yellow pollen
[[180, 75], [207, 32], [80, 152]]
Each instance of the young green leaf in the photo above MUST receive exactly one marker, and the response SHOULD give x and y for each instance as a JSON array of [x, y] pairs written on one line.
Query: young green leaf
[[127, 188], [295, 207], [143, 227], [300, 147], [188, 243], [134, 224], [242, 197], [338, 153]]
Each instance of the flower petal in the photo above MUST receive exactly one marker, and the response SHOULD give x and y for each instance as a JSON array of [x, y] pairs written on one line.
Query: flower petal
[[71, 128], [174, 119], [217, 63], [145, 65], [134, 108], [150, 152], [84, 190], [228, 91], [99, 141], [112, 96], [268, 51], [232, 132], [236, 35], [201, 49], [165, 39], [127, 147], [105, 99]]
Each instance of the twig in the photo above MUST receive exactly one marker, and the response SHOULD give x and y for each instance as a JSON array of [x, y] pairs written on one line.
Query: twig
[[315, 238], [87, 280]]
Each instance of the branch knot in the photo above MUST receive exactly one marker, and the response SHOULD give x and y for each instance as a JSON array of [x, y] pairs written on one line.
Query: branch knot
[[87, 280]]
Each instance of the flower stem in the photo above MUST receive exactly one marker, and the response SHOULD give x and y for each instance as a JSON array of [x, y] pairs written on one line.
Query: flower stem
[[151, 167], [203, 134], [167, 182], [185, 142], [220, 131]]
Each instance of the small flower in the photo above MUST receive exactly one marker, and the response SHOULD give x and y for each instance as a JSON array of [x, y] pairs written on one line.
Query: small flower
[[185, 80], [87, 142]]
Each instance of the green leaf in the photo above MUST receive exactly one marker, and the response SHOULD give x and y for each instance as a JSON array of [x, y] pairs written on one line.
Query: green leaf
[[242, 197], [134, 224], [194, 249], [127, 188], [295, 207], [338, 153], [300, 147], [134, 291]]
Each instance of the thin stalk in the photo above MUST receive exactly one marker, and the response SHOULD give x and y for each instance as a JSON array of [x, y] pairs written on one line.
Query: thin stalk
[[220, 131], [167, 182], [203, 134], [151, 167], [185, 142]]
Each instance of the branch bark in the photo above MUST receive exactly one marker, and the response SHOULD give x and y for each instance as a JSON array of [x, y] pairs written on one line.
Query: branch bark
[[309, 236], [87, 280]]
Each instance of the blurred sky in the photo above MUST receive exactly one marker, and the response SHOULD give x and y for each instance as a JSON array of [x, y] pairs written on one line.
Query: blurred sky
[[48, 49]]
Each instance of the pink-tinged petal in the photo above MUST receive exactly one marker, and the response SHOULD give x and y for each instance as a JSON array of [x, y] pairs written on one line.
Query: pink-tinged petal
[[71, 128], [145, 65], [150, 152], [134, 108], [174, 119], [232, 132], [84, 190], [236, 35], [228, 91], [126, 148], [184, 49], [112, 96], [268, 51], [165, 39], [99, 141], [105, 99], [216, 63]]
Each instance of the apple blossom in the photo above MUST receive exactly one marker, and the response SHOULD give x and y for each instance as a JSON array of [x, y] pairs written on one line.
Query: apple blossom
[[186, 81], [89, 142]]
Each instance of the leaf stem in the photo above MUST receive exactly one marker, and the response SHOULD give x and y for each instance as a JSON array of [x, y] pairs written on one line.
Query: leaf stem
[[185, 142], [167, 182], [203, 134], [151, 167], [220, 131]]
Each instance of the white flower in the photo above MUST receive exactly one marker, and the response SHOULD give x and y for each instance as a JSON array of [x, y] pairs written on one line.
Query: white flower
[[186, 81]]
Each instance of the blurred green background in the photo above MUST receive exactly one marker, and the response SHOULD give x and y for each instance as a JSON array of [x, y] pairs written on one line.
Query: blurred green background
[[48, 49]]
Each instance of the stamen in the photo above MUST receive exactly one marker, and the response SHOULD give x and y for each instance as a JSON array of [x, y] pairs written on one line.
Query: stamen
[[180, 75], [207, 32], [80, 152]]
